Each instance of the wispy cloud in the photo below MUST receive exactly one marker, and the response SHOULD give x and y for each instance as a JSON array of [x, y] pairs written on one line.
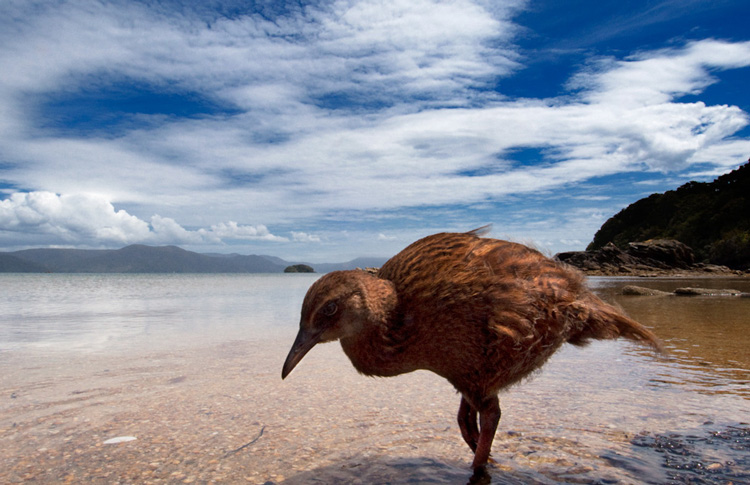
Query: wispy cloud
[[345, 110], [383, 237], [298, 236]]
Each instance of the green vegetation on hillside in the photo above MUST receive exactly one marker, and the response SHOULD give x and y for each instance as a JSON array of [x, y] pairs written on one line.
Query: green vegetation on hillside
[[711, 217]]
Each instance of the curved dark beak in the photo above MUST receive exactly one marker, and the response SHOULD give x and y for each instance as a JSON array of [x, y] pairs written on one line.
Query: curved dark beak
[[302, 344]]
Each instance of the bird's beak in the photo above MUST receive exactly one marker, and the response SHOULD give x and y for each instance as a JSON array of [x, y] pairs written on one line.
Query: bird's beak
[[302, 344]]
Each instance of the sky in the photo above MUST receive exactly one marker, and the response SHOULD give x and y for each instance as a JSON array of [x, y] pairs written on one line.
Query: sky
[[322, 131]]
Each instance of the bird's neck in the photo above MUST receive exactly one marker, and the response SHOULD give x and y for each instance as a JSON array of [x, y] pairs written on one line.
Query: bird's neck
[[378, 350], [379, 345]]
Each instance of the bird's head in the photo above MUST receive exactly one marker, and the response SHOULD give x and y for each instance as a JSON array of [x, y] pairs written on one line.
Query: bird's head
[[339, 305]]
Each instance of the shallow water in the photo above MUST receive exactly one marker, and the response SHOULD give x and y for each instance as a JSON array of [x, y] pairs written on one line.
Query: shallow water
[[121, 312], [190, 367]]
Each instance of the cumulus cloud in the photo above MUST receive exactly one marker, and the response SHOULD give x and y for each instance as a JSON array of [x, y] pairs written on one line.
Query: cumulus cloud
[[232, 230], [71, 218], [304, 237], [92, 219], [167, 230]]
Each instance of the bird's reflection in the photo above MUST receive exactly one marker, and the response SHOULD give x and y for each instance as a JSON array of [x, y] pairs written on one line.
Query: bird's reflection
[[480, 477]]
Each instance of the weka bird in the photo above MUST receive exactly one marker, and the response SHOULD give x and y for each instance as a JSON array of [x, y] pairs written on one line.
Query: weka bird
[[480, 312]]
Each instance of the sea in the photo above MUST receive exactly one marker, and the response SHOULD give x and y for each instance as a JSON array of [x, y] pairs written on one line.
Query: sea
[[188, 363], [125, 312]]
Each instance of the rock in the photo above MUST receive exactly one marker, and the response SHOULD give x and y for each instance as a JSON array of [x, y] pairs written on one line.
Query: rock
[[706, 292], [641, 291], [119, 439], [715, 268], [662, 253], [658, 257], [609, 260]]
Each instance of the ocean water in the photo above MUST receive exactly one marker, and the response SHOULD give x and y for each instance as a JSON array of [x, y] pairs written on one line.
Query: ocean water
[[123, 312], [189, 366]]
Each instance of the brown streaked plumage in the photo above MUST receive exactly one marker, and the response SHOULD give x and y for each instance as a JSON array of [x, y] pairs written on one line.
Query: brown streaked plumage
[[482, 313]]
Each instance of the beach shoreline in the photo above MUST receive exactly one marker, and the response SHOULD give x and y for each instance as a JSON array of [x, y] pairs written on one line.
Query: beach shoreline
[[200, 390]]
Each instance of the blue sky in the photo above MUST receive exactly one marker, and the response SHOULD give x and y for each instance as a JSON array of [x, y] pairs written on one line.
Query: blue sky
[[322, 131]]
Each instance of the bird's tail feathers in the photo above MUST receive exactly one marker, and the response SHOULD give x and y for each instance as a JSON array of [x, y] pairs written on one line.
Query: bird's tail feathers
[[602, 321], [481, 231]]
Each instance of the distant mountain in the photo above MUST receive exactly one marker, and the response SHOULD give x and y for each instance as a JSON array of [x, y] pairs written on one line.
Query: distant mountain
[[279, 261], [12, 264], [713, 218], [353, 264], [58, 260], [320, 267], [149, 259], [138, 259]]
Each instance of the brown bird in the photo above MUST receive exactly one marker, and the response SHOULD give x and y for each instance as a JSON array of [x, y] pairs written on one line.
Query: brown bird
[[480, 312]]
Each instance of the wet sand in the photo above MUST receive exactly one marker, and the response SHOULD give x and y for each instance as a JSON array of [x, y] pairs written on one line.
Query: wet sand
[[218, 412], [203, 415]]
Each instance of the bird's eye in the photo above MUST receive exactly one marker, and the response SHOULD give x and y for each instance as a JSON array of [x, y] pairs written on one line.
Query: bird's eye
[[329, 309]]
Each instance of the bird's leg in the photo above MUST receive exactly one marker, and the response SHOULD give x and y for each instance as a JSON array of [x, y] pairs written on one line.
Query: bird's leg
[[489, 417], [467, 422]]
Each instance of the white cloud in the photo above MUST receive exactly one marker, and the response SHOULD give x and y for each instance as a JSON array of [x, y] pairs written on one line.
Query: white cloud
[[304, 237], [424, 50], [72, 218], [232, 230], [92, 219], [420, 46], [165, 230]]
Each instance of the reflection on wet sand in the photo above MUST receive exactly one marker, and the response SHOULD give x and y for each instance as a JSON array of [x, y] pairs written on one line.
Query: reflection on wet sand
[[218, 412], [707, 337]]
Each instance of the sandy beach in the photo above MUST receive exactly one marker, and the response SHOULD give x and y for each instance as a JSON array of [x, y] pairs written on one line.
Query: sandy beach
[[204, 415], [215, 410]]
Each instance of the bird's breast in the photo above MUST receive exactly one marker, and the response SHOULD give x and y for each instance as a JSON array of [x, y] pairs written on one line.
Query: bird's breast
[[374, 355]]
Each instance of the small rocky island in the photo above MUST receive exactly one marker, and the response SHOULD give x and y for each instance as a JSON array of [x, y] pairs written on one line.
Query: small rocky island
[[299, 268]]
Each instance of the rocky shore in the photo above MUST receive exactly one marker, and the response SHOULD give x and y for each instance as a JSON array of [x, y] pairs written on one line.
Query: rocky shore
[[657, 257], [633, 290]]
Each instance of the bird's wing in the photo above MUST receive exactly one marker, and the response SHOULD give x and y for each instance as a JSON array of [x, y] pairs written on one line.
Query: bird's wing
[[458, 273], [554, 301]]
